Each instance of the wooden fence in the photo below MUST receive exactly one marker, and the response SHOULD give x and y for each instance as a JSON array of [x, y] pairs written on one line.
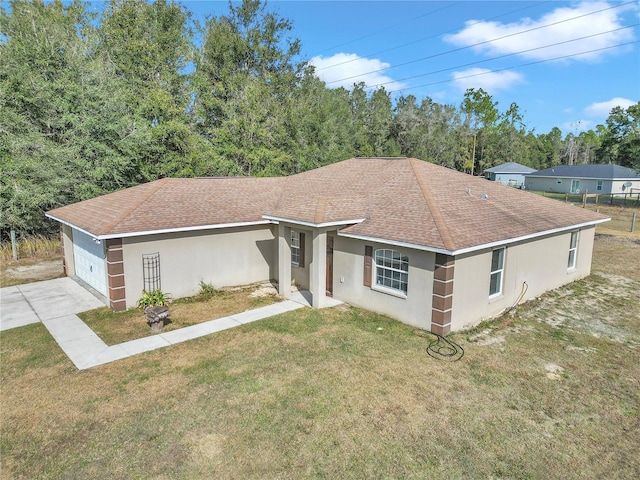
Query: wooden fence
[[609, 204]]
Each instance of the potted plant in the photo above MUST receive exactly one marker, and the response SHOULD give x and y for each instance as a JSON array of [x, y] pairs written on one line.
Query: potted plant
[[156, 308]]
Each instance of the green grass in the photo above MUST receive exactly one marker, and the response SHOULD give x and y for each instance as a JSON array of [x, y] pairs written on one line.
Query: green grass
[[118, 327], [550, 391]]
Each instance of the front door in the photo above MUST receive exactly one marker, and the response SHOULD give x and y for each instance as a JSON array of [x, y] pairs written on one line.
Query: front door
[[575, 186], [329, 266]]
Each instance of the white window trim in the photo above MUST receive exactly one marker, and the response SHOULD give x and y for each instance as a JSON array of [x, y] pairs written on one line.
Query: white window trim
[[384, 288], [295, 237], [572, 261], [388, 290], [500, 271], [599, 185]]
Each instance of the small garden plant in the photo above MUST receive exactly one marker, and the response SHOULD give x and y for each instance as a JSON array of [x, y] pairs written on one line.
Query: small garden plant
[[155, 298], [207, 291]]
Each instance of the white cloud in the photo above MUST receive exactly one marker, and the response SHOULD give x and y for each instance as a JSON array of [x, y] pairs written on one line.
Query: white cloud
[[345, 69], [486, 79], [602, 109], [569, 23]]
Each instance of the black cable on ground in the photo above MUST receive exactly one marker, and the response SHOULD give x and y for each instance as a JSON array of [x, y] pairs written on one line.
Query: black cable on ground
[[443, 349]]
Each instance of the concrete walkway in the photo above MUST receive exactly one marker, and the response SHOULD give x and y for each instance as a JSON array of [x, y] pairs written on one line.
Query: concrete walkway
[[55, 303], [85, 349]]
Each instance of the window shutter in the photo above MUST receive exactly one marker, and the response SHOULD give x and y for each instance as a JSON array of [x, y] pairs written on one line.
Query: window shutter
[[302, 243], [368, 261]]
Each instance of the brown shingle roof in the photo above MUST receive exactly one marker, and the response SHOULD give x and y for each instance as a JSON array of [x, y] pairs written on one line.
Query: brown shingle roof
[[173, 204], [402, 200]]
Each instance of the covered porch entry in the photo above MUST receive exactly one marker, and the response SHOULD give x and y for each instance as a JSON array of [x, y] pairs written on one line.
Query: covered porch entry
[[305, 258]]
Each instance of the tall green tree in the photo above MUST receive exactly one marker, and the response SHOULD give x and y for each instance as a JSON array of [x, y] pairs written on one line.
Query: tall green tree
[[245, 79], [43, 64], [481, 114], [149, 46], [621, 137]]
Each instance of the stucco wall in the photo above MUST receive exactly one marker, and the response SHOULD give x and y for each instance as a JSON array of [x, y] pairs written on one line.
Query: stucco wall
[[540, 184], [618, 186], [67, 245], [348, 270], [219, 257], [300, 275], [510, 179], [542, 264]]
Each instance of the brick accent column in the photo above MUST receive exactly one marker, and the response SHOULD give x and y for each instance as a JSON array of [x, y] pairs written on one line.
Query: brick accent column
[[442, 294], [115, 274]]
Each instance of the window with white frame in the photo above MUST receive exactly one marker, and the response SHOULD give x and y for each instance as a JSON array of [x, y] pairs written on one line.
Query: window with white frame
[[295, 248], [599, 186], [392, 269], [497, 272], [573, 250]]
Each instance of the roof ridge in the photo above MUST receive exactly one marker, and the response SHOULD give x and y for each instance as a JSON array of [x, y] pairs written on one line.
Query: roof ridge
[[441, 225], [144, 198]]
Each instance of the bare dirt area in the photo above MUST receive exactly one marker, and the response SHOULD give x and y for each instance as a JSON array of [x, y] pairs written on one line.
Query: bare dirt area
[[30, 270]]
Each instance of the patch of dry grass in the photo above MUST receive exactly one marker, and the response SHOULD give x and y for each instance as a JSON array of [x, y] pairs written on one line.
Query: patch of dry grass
[[118, 327], [617, 254], [31, 247], [326, 394]]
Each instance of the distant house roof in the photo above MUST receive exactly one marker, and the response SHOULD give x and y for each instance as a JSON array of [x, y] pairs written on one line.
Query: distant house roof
[[510, 167], [401, 201], [600, 172]]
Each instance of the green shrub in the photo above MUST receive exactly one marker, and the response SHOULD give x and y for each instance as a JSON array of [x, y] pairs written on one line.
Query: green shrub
[[156, 298], [207, 290]]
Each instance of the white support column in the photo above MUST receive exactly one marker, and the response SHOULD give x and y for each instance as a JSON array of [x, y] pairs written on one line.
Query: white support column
[[284, 261], [318, 277]]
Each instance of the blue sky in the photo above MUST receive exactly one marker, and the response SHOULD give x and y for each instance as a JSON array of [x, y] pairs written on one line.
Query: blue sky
[[565, 64]]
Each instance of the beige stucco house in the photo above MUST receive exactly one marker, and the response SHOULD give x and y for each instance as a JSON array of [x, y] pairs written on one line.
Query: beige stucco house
[[430, 246]]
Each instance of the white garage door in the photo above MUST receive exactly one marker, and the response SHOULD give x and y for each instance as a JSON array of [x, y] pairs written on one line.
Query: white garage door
[[90, 261]]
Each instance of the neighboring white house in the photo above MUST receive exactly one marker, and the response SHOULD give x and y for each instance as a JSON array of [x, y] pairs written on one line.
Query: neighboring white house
[[591, 178], [429, 246], [510, 173]]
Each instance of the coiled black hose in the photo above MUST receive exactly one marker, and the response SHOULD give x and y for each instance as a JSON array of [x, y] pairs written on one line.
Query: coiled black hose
[[444, 349]]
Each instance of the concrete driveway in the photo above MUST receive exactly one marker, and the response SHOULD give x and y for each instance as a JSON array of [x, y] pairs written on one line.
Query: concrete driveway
[[40, 301]]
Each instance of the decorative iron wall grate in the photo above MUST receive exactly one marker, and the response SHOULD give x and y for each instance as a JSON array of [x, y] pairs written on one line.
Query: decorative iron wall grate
[[151, 271]]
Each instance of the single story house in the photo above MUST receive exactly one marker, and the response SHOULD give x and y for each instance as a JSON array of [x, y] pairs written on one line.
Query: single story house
[[510, 173], [427, 245], [591, 178]]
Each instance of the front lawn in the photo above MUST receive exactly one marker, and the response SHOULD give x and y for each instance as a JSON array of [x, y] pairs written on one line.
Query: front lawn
[[117, 327], [550, 391]]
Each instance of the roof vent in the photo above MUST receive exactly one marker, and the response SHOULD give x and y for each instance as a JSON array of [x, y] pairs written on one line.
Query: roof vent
[[485, 196], [469, 191]]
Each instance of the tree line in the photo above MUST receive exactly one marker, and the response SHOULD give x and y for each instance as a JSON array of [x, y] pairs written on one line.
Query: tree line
[[95, 102]]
